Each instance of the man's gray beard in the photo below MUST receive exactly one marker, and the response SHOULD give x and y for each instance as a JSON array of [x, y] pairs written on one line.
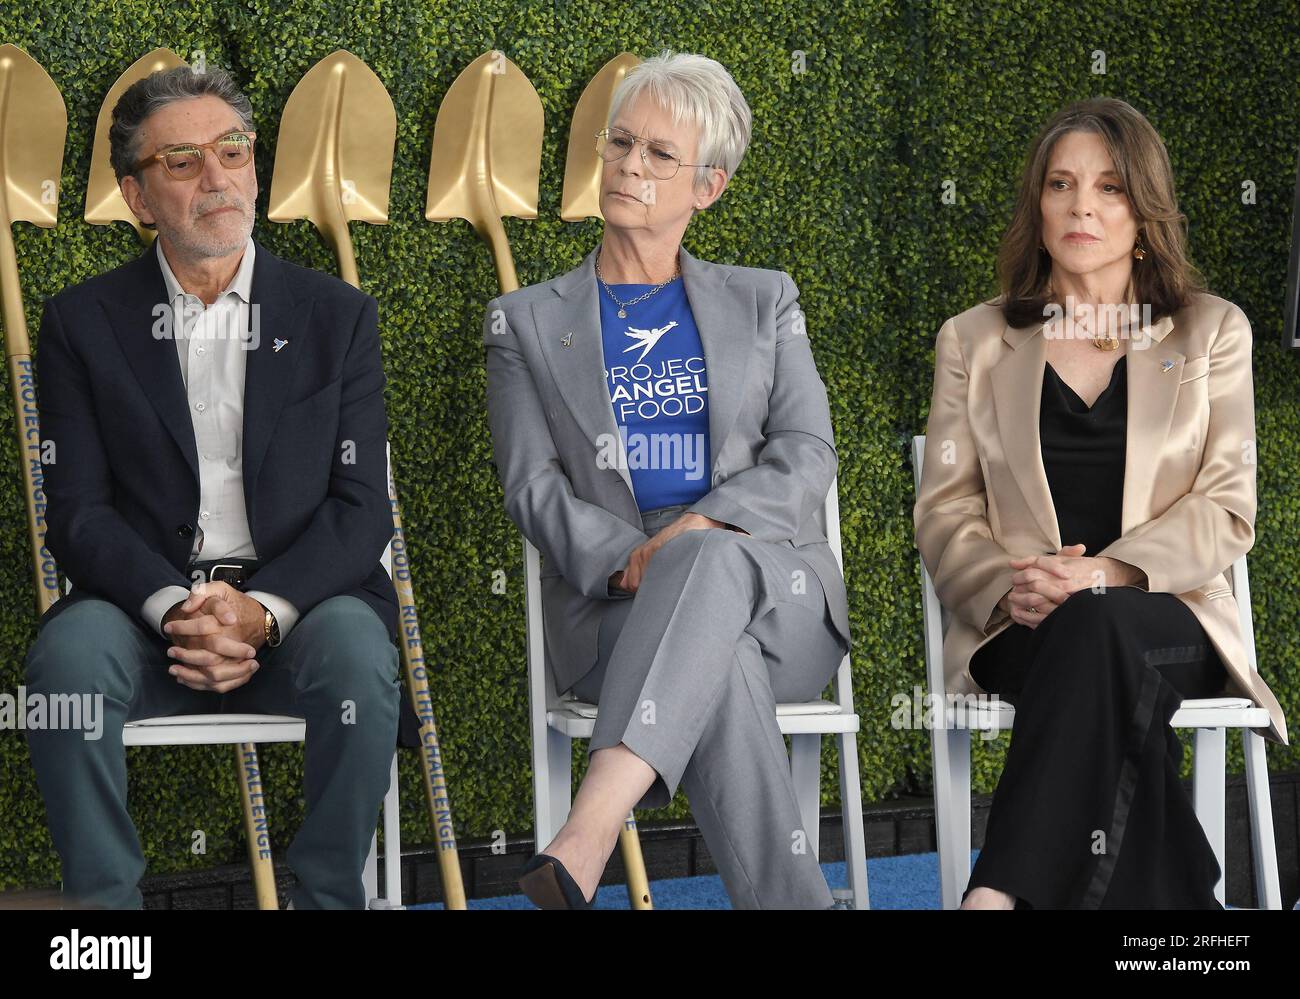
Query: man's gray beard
[[205, 248]]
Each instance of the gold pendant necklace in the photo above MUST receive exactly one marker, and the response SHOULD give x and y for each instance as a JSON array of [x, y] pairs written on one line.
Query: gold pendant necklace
[[1100, 342]]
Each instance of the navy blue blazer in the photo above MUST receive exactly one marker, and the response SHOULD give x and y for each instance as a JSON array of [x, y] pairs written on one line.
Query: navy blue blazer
[[123, 488]]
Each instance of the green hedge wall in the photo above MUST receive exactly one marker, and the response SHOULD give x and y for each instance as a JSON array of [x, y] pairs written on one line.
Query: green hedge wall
[[841, 187]]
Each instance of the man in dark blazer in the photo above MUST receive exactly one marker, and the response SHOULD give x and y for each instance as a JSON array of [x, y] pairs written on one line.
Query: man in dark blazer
[[216, 479]]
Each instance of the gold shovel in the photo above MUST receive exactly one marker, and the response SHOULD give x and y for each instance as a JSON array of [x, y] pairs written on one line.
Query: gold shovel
[[581, 198], [104, 206], [579, 201], [487, 155], [485, 164], [333, 164], [33, 126], [104, 202]]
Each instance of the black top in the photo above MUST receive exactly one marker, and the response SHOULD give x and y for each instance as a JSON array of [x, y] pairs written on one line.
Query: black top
[[1083, 455]]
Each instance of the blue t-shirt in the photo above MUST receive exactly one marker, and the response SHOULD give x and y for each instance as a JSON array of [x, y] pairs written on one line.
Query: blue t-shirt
[[654, 368]]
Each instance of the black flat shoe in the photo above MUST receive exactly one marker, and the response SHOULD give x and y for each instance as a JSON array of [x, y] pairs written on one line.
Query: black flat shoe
[[549, 886]]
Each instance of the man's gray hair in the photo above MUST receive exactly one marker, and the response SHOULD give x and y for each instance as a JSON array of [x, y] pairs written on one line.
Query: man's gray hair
[[155, 92], [698, 90]]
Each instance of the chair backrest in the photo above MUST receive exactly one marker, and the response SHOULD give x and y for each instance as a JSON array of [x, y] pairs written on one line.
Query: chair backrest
[[541, 685], [935, 616], [387, 558], [1240, 583], [830, 514]]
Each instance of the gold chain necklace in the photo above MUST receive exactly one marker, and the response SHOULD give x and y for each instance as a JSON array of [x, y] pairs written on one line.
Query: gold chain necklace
[[1107, 342]]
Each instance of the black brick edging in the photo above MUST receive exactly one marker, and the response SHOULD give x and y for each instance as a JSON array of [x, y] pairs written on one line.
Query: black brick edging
[[676, 849]]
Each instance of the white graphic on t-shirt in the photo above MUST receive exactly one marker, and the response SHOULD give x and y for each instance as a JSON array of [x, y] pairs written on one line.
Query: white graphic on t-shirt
[[646, 338]]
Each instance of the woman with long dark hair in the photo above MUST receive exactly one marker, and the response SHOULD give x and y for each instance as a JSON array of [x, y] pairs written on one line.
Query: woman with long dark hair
[[1089, 477]]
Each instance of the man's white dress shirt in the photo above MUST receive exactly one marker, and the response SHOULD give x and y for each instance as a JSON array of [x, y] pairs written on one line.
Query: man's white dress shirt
[[213, 361]]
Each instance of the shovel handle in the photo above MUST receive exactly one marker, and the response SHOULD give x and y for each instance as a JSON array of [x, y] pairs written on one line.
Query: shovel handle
[[22, 379], [493, 232], [44, 571], [335, 228], [638, 885], [11, 293], [417, 680], [256, 827]]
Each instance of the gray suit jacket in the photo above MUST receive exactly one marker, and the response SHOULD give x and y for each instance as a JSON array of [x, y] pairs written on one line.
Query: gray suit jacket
[[552, 426]]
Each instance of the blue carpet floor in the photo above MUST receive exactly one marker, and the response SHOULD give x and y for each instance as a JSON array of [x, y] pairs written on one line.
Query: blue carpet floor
[[908, 882]]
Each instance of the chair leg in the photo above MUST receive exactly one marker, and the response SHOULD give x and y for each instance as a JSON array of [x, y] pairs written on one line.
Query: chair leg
[[1209, 775], [392, 842], [1263, 845], [369, 874], [555, 793], [560, 753], [952, 817], [806, 773], [855, 843]]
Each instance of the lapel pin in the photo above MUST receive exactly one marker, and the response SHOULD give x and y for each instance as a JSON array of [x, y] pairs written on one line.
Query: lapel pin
[[567, 339], [1166, 364], [277, 343]]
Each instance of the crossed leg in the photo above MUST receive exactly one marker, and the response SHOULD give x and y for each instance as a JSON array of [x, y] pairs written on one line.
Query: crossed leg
[[689, 672]]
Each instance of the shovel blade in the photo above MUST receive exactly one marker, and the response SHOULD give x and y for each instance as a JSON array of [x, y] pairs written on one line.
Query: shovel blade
[[334, 151], [33, 127], [487, 146], [104, 202], [582, 167]]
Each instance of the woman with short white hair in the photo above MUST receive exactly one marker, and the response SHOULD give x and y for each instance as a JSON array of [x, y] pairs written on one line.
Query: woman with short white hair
[[663, 437]]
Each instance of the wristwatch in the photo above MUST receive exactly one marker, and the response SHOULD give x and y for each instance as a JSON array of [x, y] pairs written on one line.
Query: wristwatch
[[270, 628]]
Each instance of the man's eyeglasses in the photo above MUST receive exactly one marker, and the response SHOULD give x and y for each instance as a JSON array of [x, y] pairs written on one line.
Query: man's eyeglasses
[[661, 160], [184, 161]]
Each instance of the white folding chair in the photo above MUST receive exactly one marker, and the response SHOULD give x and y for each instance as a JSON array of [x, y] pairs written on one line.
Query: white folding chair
[[556, 721], [1208, 717], [236, 729]]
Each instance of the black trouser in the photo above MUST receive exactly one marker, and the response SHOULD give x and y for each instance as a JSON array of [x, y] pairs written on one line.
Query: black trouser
[[1090, 812]]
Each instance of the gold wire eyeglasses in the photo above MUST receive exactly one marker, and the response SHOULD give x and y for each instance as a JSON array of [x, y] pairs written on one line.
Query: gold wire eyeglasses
[[661, 160]]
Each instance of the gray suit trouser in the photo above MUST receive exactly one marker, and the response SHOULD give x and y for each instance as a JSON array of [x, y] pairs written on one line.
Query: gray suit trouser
[[689, 672], [337, 653]]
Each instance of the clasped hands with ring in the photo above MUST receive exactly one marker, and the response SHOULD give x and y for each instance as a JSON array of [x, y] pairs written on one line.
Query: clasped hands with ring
[[1043, 582]]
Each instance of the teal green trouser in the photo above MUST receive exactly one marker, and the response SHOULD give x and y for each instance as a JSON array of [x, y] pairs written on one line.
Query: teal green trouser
[[337, 669]]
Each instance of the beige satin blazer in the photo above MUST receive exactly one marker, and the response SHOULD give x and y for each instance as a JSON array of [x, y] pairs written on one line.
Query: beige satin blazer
[[1189, 479]]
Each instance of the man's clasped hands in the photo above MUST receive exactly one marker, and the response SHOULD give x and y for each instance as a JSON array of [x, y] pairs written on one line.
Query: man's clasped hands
[[216, 632]]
